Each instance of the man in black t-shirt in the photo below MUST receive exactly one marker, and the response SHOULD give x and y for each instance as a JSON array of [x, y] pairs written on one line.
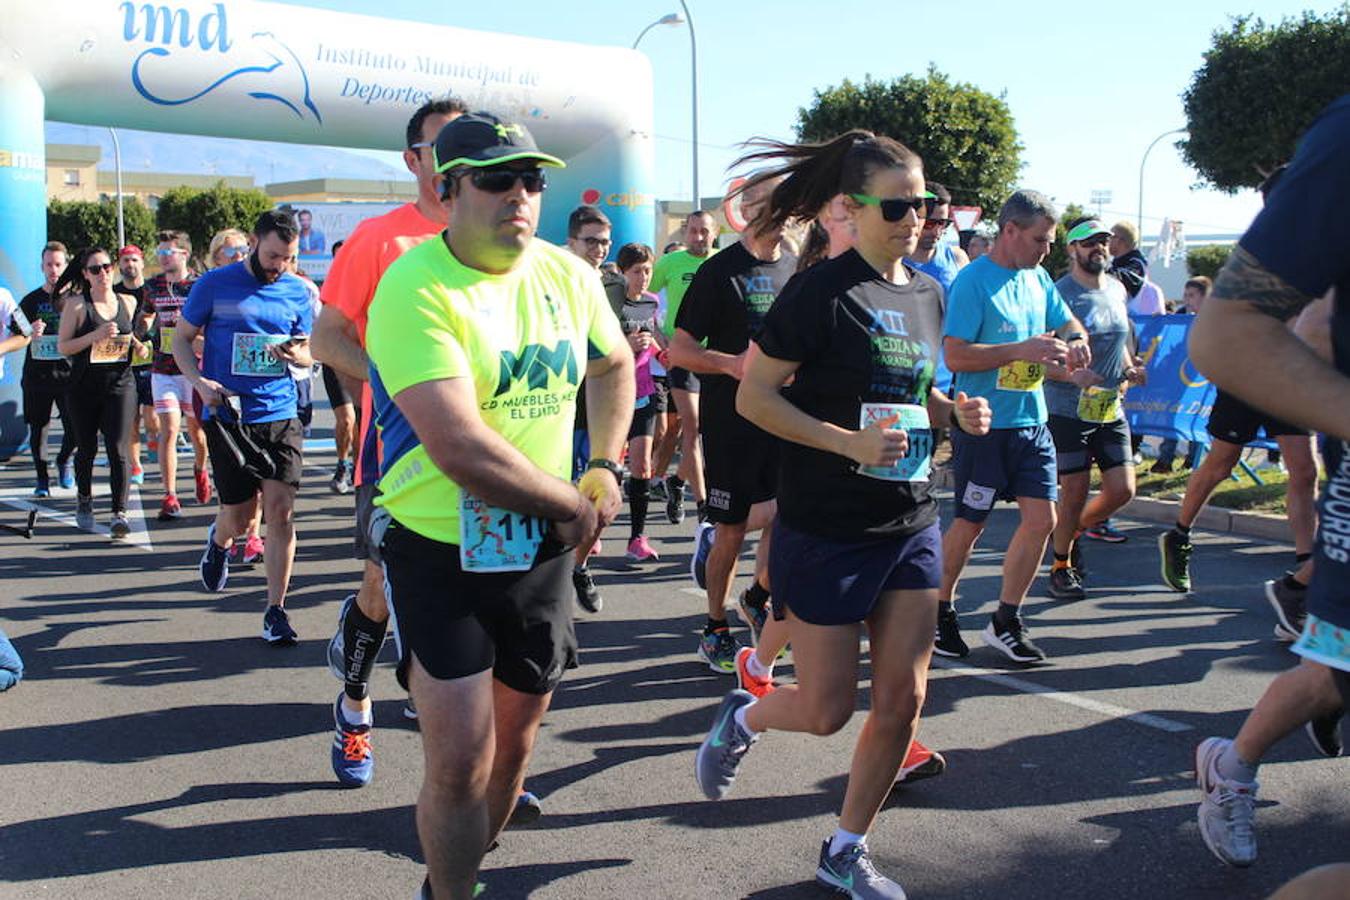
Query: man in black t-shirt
[[46, 373], [723, 308]]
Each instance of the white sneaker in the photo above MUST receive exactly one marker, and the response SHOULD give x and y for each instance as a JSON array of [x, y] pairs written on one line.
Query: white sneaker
[[1227, 810]]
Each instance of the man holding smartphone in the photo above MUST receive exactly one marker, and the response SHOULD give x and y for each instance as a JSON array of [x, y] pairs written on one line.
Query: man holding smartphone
[[255, 317]]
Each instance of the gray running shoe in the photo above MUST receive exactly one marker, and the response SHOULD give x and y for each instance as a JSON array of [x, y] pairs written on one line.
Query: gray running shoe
[[1066, 585], [1227, 808], [722, 750], [84, 513], [850, 872], [120, 529], [1290, 607]]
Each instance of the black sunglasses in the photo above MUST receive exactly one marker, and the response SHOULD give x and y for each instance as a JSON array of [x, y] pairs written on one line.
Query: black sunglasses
[[99, 268], [893, 209], [498, 181]]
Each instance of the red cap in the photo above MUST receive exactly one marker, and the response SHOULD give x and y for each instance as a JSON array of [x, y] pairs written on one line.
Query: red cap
[[130, 250]]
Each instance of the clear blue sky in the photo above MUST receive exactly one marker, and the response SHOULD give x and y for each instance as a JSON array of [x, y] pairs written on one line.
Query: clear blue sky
[[1089, 87]]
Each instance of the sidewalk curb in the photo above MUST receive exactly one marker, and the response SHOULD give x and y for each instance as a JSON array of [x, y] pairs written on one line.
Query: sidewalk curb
[[1164, 512]]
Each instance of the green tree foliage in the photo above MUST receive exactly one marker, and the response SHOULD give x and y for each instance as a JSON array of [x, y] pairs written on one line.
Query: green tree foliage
[[202, 213], [1057, 260], [965, 135], [88, 223], [1259, 89], [1207, 260]]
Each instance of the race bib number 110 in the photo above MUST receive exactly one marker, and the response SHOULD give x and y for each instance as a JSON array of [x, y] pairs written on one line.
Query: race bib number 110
[[497, 540]]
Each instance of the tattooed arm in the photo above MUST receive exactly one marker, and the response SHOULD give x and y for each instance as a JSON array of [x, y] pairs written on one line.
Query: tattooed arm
[[1241, 343]]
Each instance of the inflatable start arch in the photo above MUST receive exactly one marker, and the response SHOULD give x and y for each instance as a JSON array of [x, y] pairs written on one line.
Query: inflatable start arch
[[264, 71]]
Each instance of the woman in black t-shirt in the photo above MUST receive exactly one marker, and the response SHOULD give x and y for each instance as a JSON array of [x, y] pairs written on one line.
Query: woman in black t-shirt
[[96, 333], [856, 541]]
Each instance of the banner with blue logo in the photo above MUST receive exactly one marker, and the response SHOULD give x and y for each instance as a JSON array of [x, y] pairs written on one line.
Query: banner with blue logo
[[1177, 399]]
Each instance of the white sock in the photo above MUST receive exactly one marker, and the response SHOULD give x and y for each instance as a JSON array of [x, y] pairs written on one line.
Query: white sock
[[364, 717], [843, 838], [739, 716], [757, 669]]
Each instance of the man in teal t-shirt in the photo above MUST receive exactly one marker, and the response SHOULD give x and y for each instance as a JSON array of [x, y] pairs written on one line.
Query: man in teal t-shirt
[[671, 277], [1006, 322]]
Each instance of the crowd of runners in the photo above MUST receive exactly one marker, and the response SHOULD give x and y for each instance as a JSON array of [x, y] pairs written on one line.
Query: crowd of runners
[[499, 401]]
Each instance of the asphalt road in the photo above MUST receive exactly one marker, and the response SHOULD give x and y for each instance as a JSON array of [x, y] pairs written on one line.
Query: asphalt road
[[158, 748]]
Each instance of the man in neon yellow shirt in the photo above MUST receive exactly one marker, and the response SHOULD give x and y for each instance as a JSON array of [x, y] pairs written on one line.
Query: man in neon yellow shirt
[[477, 342], [671, 277]]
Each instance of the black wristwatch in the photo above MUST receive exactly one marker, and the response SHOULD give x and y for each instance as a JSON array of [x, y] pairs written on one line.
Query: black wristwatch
[[609, 466], [1076, 336]]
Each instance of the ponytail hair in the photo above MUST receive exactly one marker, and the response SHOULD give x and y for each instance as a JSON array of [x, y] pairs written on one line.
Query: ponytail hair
[[812, 174]]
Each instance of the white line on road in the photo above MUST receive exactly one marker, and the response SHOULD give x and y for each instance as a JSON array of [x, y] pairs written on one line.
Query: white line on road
[[1110, 710]]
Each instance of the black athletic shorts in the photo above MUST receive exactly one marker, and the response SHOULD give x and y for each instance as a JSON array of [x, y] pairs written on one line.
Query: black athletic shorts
[[366, 492], [740, 465], [644, 421], [683, 380], [661, 397], [335, 389], [283, 443], [1078, 444], [38, 400], [144, 395], [1233, 421], [518, 624]]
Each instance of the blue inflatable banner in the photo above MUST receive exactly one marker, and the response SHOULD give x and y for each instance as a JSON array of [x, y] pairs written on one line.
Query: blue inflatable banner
[[1177, 399]]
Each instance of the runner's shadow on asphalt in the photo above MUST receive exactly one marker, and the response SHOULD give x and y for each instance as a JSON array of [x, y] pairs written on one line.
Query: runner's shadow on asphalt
[[125, 837], [523, 881]]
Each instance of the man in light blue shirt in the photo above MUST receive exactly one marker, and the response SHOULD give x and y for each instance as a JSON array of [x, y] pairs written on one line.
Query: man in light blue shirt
[[1006, 322]]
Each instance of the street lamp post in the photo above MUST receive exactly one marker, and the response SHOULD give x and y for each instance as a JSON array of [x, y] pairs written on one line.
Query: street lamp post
[[1139, 221], [686, 19], [117, 164]]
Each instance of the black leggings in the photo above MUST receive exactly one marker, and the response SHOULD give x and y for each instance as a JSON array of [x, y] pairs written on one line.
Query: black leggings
[[37, 412], [109, 411]]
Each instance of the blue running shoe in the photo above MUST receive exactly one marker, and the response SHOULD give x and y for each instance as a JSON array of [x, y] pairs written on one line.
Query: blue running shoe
[[527, 811], [719, 650], [698, 565], [68, 476], [277, 627], [337, 650], [11, 666], [215, 564], [720, 754], [353, 761]]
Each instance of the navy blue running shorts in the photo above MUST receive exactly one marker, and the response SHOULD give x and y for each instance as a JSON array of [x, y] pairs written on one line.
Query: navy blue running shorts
[[831, 582], [1005, 464]]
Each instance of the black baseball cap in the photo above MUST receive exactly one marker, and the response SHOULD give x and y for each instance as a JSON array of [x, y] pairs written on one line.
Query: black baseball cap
[[481, 139]]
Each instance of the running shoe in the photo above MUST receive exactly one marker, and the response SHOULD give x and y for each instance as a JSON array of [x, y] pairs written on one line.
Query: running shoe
[[137, 475], [353, 760], [1012, 640], [170, 509], [215, 564], [718, 650], [588, 595], [948, 641], [920, 763], [43, 488], [120, 527], [674, 501], [527, 810], [253, 550], [657, 490], [1104, 532], [1176, 560], [11, 664], [850, 872], [67, 476], [152, 455], [1325, 733], [341, 482], [1227, 812], [720, 754], [639, 550], [410, 710], [337, 650], [1290, 608], [1065, 584], [84, 513], [756, 687], [1163, 467], [698, 564], [202, 482], [277, 627], [753, 616]]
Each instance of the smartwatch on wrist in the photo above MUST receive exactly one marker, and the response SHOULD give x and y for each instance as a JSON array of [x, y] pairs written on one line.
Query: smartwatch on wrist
[[609, 466]]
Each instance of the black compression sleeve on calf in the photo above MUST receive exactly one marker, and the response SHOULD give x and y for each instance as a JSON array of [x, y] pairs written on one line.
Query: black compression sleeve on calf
[[361, 643], [756, 595], [637, 503]]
